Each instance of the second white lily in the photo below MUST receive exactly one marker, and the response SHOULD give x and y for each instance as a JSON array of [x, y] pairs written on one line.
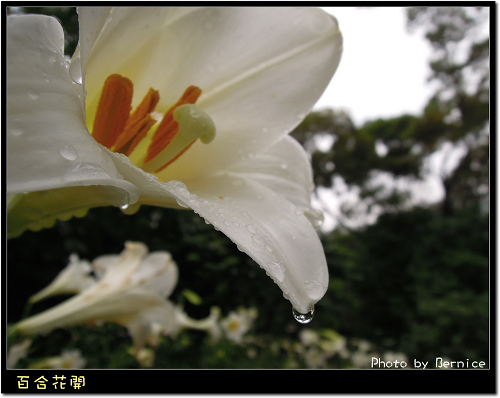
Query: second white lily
[[131, 291]]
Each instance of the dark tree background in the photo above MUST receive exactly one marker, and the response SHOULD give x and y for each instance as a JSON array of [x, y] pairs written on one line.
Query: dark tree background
[[417, 280]]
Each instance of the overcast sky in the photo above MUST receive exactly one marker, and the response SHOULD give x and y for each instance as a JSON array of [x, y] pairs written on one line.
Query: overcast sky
[[383, 71]]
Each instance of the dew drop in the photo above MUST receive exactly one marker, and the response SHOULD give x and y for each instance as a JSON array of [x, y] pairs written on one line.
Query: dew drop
[[257, 240], [303, 318], [277, 270], [130, 209], [68, 152], [181, 203], [251, 229], [33, 96], [269, 249], [245, 215], [75, 70], [86, 171], [315, 290]]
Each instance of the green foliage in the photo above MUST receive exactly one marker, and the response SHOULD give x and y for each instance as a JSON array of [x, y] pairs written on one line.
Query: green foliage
[[415, 271]]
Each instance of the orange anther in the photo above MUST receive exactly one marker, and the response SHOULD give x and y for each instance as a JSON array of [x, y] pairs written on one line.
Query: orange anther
[[138, 124], [113, 110]]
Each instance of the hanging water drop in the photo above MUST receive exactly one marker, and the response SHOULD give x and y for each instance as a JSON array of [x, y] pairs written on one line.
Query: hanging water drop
[[303, 318], [130, 209]]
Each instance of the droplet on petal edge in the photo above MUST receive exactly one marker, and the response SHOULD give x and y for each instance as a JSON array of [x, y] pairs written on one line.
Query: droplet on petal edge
[[303, 318], [130, 209]]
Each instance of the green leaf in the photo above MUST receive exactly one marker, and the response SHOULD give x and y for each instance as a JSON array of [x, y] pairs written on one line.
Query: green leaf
[[192, 297]]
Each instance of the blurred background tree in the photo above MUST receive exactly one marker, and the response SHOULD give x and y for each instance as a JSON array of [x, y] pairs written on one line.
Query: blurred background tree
[[405, 275]]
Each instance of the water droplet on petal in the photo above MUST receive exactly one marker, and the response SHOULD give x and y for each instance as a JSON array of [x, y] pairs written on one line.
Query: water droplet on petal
[[75, 70], [257, 240], [277, 270], [245, 215], [68, 152], [251, 229], [86, 171], [303, 318], [181, 203], [315, 290]]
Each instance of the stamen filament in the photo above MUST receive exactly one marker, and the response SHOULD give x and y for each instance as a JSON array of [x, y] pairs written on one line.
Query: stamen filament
[[193, 124], [168, 127]]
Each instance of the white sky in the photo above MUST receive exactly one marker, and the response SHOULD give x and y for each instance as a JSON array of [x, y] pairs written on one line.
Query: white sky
[[383, 71]]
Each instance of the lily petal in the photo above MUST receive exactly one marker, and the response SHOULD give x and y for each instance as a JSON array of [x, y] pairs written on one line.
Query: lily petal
[[270, 229], [249, 90], [263, 205], [41, 154]]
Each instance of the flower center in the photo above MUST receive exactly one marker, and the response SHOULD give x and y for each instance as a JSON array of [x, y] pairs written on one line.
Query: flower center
[[233, 326], [120, 130]]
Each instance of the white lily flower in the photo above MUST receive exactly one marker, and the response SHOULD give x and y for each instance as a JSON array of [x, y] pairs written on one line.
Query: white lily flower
[[237, 323], [145, 356], [16, 352], [238, 78], [132, 293], [209, 324], [315, 358], [72, 279], [309, 337]]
